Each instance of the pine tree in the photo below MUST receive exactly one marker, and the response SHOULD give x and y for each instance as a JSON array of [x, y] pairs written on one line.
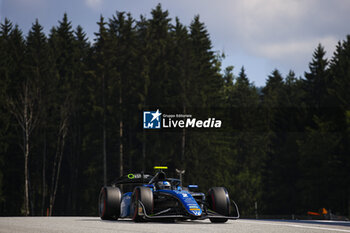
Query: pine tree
[[316, 80], [206, 81], [126, 84], [339, 94], [23, 102], [38, 70], [320, 167], [248, 148], [5, 30], [5, 59], [340, 74], [142, 33], [159, 50], [159, 46], [100, 92], [62, 46], [228, 76], [242, 79], [80, 117], [16, 50], [276, 127], [181, 81]]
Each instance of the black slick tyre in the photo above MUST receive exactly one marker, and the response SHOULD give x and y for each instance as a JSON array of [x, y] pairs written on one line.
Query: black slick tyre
[[145, 196], [109, 203], [219, 201]]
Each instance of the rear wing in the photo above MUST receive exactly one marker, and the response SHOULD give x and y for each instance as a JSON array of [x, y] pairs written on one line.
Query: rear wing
[[133, 178]]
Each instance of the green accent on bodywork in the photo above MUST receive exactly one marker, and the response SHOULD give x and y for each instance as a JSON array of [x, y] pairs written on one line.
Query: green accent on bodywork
[[131, 176]]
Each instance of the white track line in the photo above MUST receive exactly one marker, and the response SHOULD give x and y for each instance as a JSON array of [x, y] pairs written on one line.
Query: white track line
[[294, 225]]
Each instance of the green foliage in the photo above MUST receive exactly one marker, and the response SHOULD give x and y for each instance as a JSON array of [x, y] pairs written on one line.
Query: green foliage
[[319, 165]]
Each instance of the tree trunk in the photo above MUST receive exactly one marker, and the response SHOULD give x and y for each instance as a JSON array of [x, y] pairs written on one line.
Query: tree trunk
[[183, 140], [52, 201], [143, 151], [130, 158], [25, 108], [120, 134], [61, 139], [44, 177], [104, 156], [121, 148], [349, 203], [73, 164], [26, 181], [53, 175], [56, 175], [26, 152], [104, 144], [183, 144], [76, 172]]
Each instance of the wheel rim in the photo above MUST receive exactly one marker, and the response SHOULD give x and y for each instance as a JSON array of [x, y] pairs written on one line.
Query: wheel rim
[[213, 201], [102, 203], [135, 204]]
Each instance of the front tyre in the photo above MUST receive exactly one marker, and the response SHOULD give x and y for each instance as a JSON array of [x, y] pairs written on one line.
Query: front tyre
[[109, 203], [219, 201], [145, 196]]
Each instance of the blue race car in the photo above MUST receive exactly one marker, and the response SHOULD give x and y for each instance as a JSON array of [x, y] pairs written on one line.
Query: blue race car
[[160, 198]]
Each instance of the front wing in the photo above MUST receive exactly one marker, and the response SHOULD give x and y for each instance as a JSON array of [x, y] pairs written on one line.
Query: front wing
[[206, 214]]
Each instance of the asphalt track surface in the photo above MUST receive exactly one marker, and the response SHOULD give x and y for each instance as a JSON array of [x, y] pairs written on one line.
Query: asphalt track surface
[[94, 224]]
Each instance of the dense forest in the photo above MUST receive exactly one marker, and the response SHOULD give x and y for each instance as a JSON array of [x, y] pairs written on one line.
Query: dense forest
[[71, 118]]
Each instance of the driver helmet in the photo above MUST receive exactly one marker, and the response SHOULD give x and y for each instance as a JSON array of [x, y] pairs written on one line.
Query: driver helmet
[[164, 185]]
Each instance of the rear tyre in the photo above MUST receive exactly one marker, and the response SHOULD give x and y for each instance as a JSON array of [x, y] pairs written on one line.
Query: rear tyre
[[145, 195], [219, 201], [109, 203]]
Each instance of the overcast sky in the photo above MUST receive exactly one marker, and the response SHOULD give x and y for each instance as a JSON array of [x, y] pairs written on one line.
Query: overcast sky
[[260, 34]]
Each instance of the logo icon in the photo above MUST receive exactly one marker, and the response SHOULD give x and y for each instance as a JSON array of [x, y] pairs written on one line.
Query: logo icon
[[151, 119]]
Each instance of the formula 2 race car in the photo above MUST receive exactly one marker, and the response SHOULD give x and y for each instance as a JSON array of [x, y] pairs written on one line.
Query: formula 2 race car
[[160, 198]]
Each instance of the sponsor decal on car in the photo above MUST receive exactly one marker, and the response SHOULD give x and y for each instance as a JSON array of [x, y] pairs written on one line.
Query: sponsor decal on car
[[197, 212]]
